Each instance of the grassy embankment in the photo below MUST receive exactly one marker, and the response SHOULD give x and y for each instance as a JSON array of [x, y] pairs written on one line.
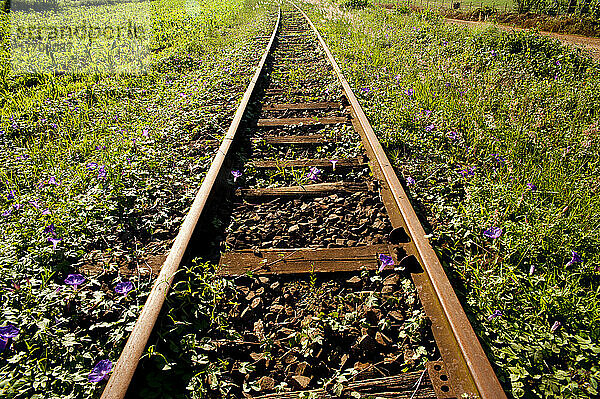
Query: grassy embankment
[[97, 171], [499, 130]]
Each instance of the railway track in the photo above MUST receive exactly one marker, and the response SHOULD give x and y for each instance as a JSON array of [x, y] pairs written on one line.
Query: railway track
[[319, 242]]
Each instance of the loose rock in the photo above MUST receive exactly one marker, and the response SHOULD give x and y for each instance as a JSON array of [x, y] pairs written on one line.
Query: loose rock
[[301, 382]]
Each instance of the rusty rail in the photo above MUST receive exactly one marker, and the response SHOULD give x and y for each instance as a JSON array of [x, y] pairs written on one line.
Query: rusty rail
[[119, 381], [463, 355], [463, 358]]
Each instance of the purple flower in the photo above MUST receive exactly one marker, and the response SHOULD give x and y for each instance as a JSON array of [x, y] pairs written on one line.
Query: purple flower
[[7, 212], [365, 90], [7, 332], [145, 132], [410, 181], [499, 159], [314, 173], [74, 280], [469, 171], [10, 195], [52, 180], [92, 166], [100, 371], [124, 287], [236, 174], [531, 270], [453, 135], [101, 172], [496, 313], [555, 326], [398, 79], [333, 162], [575, 259], [430, 128], [50, 229], [54, 242], [409, 92], [531, 186], [46, 212], [385, 260], [557, 63], [493, 232]]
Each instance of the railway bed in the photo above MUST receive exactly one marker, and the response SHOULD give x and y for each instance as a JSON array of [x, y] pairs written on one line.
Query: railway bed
[[332, 287]]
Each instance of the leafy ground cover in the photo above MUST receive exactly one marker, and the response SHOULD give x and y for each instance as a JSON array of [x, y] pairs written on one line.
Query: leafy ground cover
[[118, 34], [496, 135], [97, 173]]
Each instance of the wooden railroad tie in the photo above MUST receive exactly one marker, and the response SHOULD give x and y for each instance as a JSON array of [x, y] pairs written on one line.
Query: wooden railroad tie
[[294, 139], [317, 189], [302, 106], [304, 260], [358, 162], [334, 120], [270, 92], [415, 385]]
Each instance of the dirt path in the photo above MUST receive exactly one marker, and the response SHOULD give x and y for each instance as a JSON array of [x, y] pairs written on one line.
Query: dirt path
[[589, 43]]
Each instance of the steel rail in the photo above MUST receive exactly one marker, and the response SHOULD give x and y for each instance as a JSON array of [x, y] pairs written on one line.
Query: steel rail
[[119, 381], [461, 350]]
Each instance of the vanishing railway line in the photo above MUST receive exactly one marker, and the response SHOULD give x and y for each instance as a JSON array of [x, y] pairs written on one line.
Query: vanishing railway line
[[318, 224]]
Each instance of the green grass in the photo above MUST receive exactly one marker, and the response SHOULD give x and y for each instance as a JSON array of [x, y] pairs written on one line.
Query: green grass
[[513, 109], [117, 37], [111, 158], [465, 5]]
